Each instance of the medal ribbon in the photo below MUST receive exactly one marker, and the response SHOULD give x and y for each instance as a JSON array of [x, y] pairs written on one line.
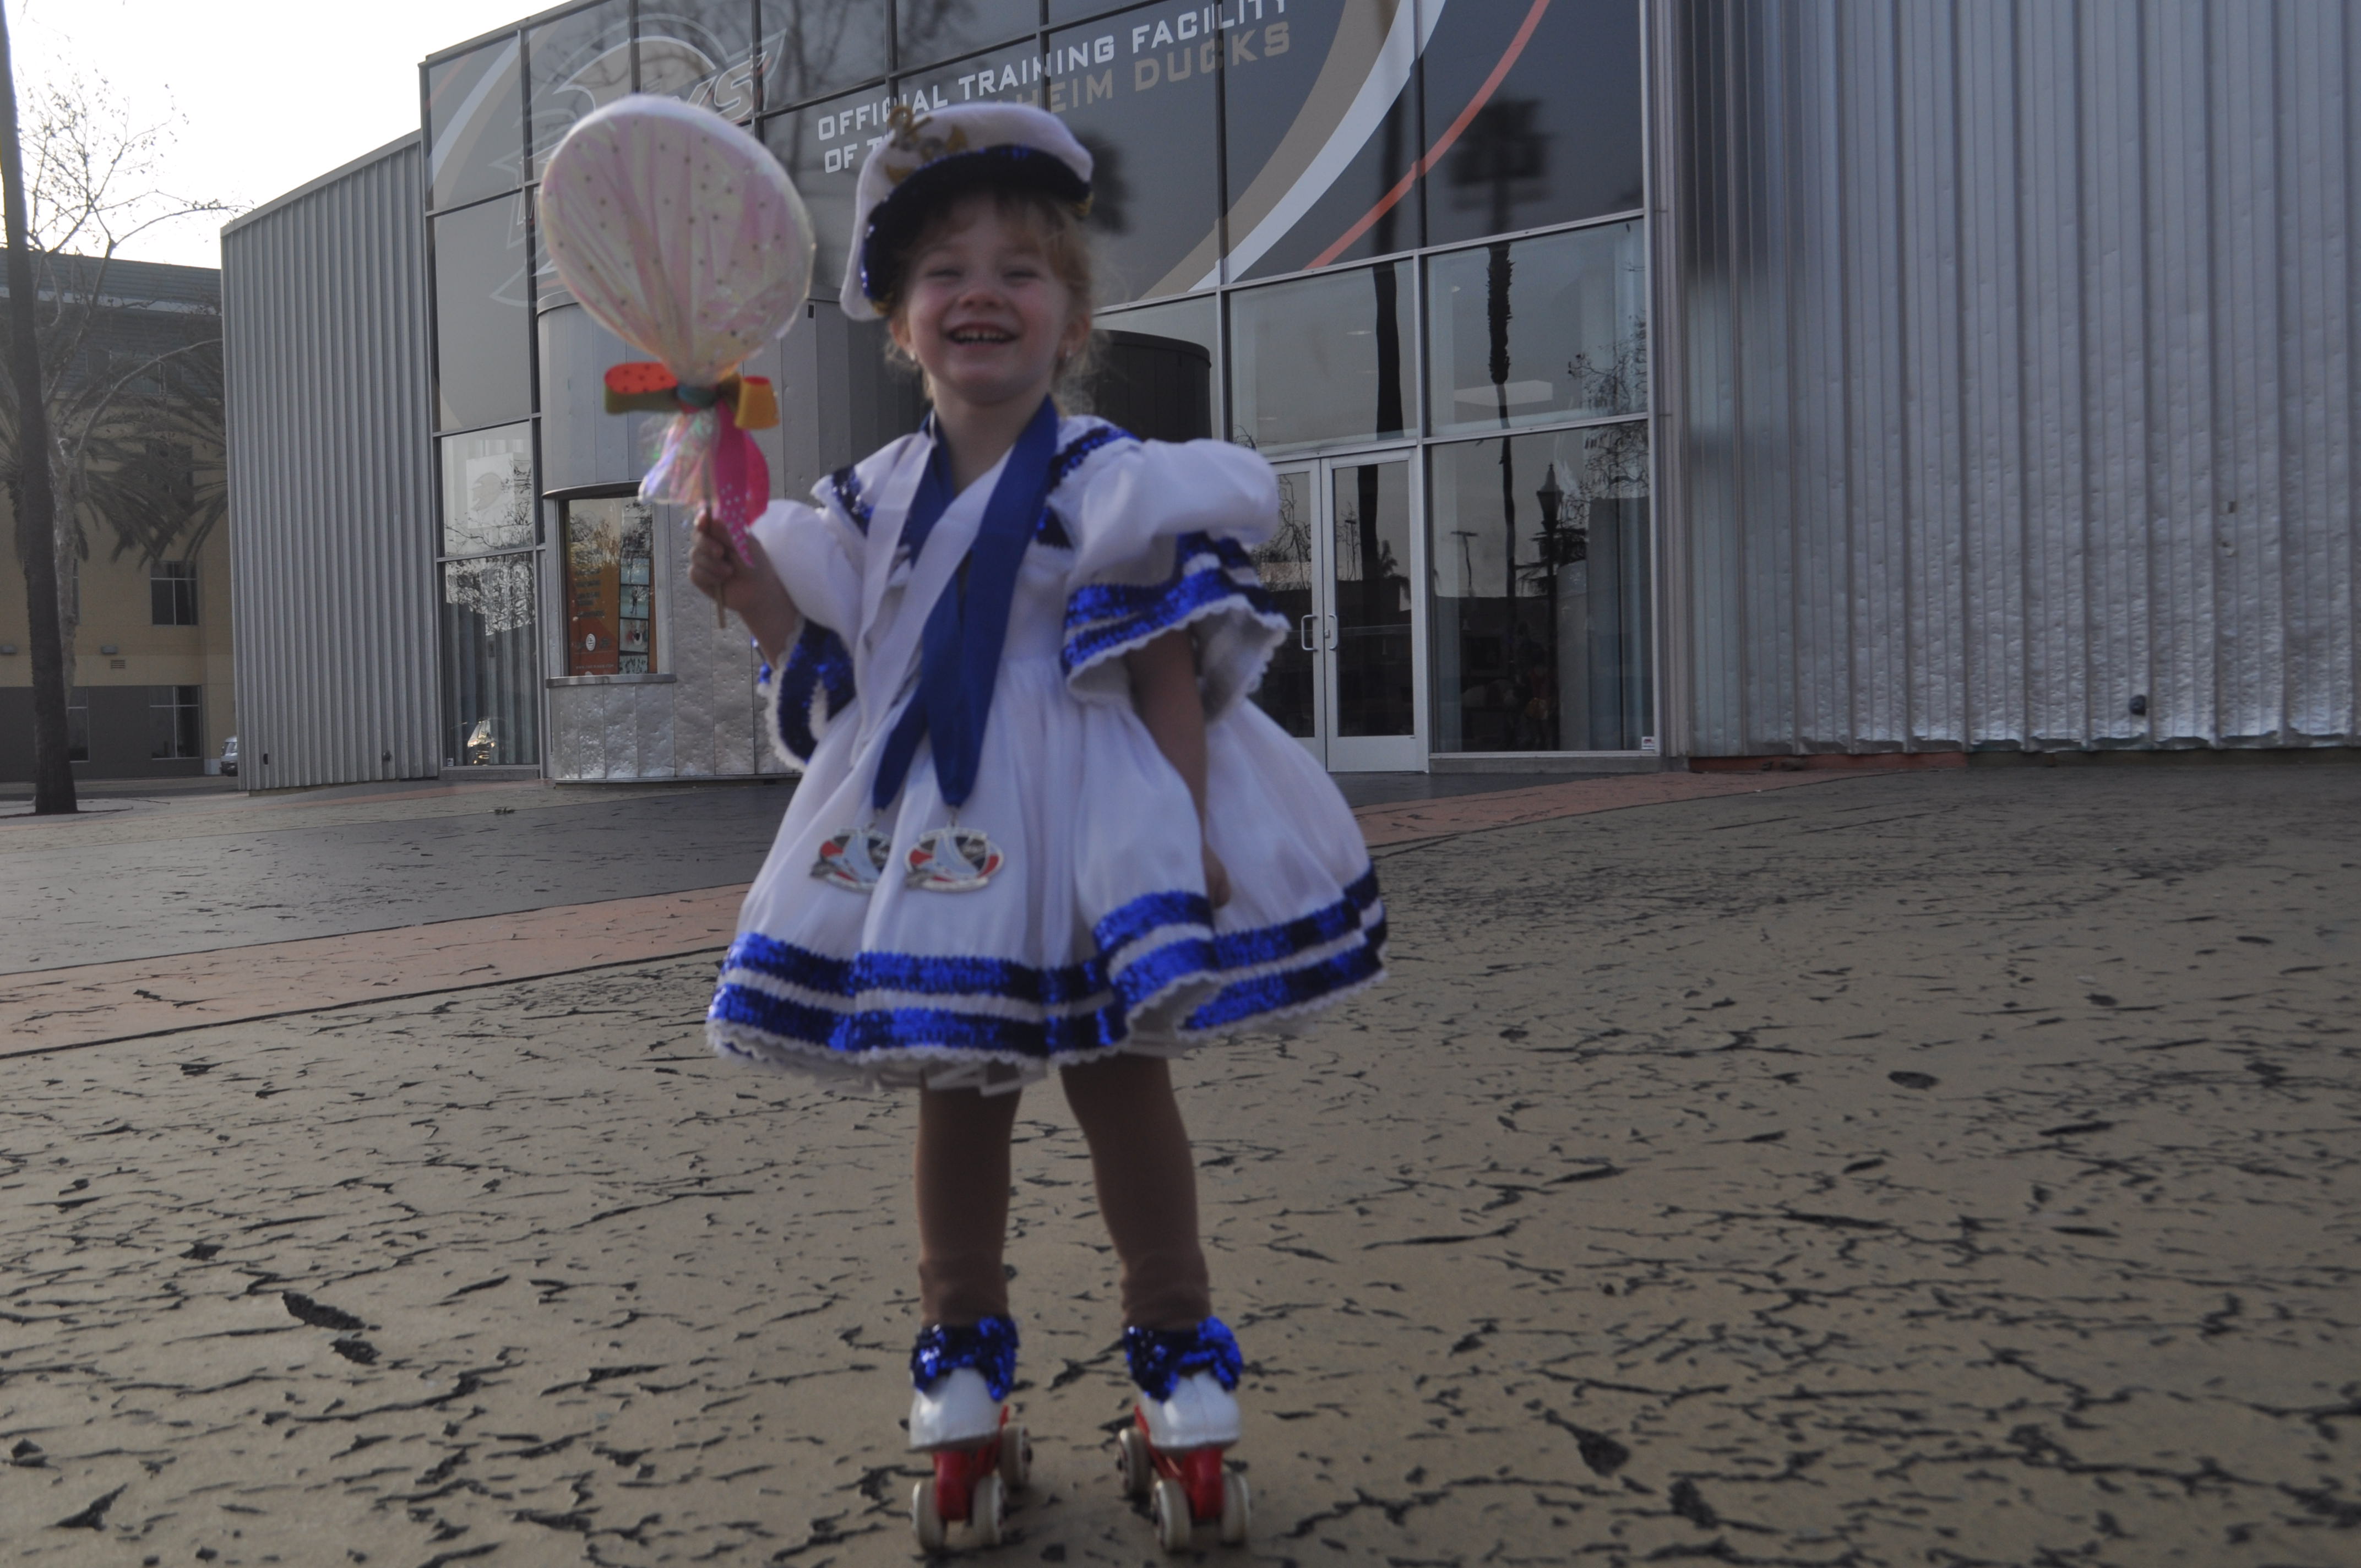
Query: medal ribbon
[[958, 661]]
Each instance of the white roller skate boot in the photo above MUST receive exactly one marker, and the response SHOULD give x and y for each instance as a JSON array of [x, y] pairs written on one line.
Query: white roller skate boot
[[1186, 1417], [961, 1375]]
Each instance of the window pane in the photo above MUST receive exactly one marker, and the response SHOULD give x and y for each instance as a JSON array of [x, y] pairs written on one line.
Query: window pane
[[1155, 369], [162, 607], [578, 62], [1289, 692], [610, 587], [1538, 331], [1297, 79], [1155, 193], [175, 721], [1322, 359], [1369, 543], [490, 711], [1558, 140], [1541, 628], [812, 47], [822, 147], [487, 491], [930, 30], [482, 369], [581, 443], [475, 131], [701, 50]]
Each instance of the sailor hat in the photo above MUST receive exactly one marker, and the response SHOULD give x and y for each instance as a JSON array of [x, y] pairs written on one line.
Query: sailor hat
[[930, 158]]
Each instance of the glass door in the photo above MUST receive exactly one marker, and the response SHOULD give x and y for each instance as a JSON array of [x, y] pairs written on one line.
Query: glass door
[[1345, 682]]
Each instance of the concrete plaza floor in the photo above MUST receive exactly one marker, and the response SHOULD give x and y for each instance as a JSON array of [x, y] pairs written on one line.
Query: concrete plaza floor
[[1948, 1167]]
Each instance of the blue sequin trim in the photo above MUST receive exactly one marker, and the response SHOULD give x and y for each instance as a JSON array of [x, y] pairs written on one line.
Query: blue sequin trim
[[818, 662], [1105, 617], [989, 1346], [1078, 451], [1161, 1357], [846, 484], [1097, 1009]]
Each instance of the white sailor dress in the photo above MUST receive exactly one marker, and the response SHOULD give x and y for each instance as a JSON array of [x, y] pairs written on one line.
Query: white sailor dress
[[1095, 935]]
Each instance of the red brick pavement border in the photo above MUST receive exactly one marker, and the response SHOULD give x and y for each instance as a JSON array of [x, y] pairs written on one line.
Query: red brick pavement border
[[58, 1008]]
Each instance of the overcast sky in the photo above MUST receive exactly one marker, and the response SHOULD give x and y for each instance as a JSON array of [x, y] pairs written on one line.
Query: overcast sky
[[266, 93]]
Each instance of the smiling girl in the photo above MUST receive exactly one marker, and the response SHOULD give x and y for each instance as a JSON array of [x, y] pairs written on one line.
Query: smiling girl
[[1040, 825]]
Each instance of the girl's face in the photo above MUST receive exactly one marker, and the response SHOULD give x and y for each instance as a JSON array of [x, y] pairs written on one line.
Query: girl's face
[[984, 311]]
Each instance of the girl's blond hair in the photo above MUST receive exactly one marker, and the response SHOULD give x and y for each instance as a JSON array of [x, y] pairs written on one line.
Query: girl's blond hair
[[1057, 229]]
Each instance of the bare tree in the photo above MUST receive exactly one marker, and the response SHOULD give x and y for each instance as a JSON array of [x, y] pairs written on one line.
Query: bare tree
[[129, 393]]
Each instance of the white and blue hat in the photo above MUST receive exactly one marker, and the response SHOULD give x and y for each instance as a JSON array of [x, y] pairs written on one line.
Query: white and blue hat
[[929, 158]]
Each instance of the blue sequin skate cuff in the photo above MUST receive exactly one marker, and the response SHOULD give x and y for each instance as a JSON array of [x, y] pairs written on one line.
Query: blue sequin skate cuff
[[989, 1346], [1161, 1357]]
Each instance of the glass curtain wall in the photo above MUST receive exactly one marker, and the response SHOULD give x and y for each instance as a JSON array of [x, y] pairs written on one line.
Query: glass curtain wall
[[1330, 239]]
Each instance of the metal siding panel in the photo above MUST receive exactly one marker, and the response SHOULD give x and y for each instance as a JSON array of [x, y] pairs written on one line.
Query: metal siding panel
[[2114, 480], [1710, 411], [2315, 331], [2180, 226], [1818, 476], [1766, 538], [2055, 570], [2251, 641], [325, 334], [1991, 366], [1875, 448]]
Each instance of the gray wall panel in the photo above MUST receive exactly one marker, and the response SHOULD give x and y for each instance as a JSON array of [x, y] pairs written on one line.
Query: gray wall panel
[[325, 320], [2018, 374]]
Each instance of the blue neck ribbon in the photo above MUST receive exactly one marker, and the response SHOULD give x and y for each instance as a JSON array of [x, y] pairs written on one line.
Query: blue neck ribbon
[[958, 658]]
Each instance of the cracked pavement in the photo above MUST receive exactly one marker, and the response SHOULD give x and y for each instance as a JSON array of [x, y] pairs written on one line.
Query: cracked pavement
[[1950, 1168]]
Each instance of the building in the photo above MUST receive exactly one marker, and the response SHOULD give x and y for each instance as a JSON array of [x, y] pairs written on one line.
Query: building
[[134, 349], [1646, 379]]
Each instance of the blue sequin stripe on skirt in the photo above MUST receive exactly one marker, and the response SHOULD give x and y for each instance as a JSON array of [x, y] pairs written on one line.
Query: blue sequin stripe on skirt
[[799, 997]]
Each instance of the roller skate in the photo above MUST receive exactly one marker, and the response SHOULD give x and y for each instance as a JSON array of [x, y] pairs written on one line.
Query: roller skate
[[1172, 1452], [963, 1374]]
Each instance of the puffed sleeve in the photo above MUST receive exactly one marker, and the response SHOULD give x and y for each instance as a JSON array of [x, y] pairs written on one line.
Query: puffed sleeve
[[812, 550], [1161, 536]]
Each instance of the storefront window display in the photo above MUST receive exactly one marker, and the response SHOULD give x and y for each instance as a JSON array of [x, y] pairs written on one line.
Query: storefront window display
[[610, 562], [1538, 331], [1541, 627], [482, 365]]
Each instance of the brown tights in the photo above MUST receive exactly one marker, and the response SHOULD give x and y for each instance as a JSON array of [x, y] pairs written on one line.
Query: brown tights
[[1140, 1161]]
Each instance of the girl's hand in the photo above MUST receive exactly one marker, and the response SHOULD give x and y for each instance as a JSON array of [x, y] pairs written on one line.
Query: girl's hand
[[745, 584], [1217, 879]]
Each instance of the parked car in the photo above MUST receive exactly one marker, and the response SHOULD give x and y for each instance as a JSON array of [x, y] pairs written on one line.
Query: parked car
[[229, 756]]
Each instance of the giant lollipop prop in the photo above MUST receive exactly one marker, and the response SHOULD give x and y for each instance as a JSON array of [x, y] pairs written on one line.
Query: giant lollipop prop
[[686, 240]]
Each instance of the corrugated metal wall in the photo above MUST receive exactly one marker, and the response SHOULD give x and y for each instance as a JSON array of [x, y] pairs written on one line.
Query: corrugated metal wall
[[323, 299], [2017, 367]]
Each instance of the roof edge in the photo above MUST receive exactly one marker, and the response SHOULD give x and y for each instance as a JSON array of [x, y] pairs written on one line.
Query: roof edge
[[310, 186]]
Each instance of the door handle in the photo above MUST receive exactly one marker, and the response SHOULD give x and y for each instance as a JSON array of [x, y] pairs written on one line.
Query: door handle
[[1331, 631], [1304, 633]]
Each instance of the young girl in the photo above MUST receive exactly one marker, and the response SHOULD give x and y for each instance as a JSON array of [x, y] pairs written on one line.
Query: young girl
[[1040, 826]]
